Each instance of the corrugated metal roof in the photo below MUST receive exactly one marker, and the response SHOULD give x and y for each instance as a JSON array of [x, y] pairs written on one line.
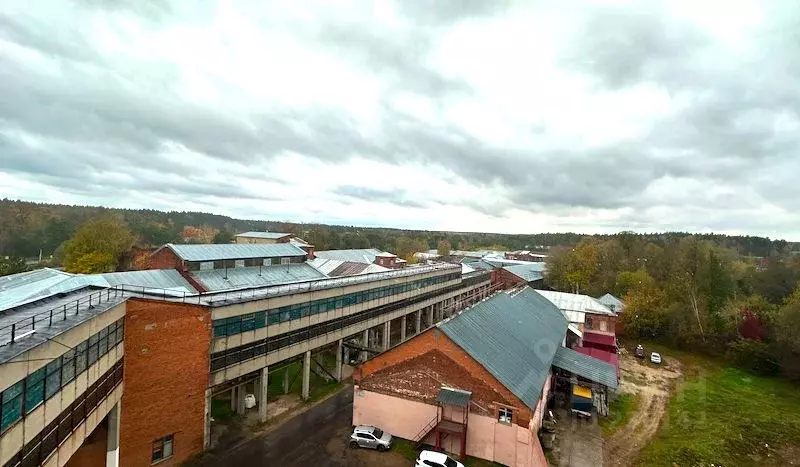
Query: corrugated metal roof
[[233, 251], [268, 235], [466, 269], [613, 303], [514, 337], [366, 255], [19, 289], [575, 302], [338, 268], [451, 396], [215, 280], [528, 272], [586, 367]]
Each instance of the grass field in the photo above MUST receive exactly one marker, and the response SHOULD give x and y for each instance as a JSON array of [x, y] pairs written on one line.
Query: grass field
[[725, 416], [619, 412]]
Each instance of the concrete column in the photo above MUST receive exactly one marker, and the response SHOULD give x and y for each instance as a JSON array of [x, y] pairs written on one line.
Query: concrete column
[[365, 343], [263, 386], [241, 391], [233, 399], [338, 372], [112, 444], [430, 315], [346, 357], [387, 328], [207, 427], [403, 329], [286, 380], [418, 323], [306, 374]]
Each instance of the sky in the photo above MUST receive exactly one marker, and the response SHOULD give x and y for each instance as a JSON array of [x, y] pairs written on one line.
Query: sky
[[499, 116]]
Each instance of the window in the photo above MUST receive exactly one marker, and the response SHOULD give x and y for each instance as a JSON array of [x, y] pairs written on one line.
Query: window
[[12, 406], [53, 380], [588, 323], [365, 436], [92, 349], [276, 261], [603, 326], [34, 389], [266, 261], [80, 358], [239, 263], [506, 415], [162, 449], [286, 260], [68, 367], [206, 265]]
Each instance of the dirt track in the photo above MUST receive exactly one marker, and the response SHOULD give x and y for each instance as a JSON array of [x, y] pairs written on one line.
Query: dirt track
[[653, 384]]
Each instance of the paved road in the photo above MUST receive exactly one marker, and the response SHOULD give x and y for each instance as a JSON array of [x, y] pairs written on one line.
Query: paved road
[[317, 438]]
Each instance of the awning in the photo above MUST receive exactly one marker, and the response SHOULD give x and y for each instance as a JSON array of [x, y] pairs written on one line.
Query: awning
[[582, 391], [599, 338], [456, 397], [586, 367]]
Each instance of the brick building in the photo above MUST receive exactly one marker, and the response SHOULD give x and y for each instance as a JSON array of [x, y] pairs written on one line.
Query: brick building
[[517, 275], [88, 364]]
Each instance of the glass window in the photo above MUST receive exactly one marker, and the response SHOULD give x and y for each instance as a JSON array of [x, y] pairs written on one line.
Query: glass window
[[286, 260], [234, 326], [92, 350], [53, 379], [239, 263], [266, 261], [505, 415], [120, 331], [80, 358], [206, 265], [68, 366], [102, 345], [220, 328], [12, 406], [248, 322], [162, 449], [588, 323], [34, 389], [261, 319], [276, 261]]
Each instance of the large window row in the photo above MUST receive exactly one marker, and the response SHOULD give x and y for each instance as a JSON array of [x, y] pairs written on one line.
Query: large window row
[[236, 324], [24, 396], [222, 359], [36, 451], [242, 263]]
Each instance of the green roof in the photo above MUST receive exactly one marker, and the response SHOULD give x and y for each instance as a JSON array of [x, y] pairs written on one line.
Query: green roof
[[450, 396], [514, 336], [585, 366]]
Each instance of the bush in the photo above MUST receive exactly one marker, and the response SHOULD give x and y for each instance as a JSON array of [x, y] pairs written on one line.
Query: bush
[[753, 356]]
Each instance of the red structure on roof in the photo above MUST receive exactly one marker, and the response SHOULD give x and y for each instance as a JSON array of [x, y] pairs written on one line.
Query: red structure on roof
[[601, 341], [606, 356]]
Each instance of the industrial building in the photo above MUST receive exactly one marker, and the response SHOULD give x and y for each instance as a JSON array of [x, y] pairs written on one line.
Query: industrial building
[[122, 368]]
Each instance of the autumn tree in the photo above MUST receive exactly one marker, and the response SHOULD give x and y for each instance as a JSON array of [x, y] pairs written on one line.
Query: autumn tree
[[443, 249], [97, 246], [644, 304], [12, 265]]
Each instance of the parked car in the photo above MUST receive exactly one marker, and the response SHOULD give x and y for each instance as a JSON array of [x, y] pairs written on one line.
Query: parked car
[[436, 459], [639, 352], [365, 436], [655, 357]]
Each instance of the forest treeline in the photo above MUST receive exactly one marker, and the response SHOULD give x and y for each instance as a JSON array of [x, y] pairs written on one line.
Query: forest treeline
[[694, 293], [27, 228]]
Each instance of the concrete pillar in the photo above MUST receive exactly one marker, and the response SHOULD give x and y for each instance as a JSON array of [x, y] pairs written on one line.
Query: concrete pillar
[[207, 427], [346, 356], [112, 444], [233, 399], [365, 343], [338, 372], [418, 326], [306, 374], [430, 316], [241, 391], [263, 386], [403, 328], [286, 380], [387, 328]]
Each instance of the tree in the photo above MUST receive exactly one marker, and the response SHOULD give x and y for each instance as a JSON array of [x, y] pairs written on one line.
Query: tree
[[443, 249], [97, 246], [12, 265], [644, 305], [223, 236]]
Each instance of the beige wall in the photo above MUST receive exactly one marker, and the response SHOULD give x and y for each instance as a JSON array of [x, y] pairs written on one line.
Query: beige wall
[[488, 439], [25, 430], [28, 362]]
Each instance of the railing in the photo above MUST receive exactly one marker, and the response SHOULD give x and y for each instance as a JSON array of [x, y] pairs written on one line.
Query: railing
[[320, 284], [423, 433]]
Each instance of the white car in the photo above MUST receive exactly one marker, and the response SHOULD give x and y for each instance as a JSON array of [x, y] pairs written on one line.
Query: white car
[[436, 459], [655, 357]]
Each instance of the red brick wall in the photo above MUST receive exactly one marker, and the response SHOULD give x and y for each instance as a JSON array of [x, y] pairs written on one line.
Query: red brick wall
[[597, 319], [507, 279], [436, 340], [164, 259], [166, 376]]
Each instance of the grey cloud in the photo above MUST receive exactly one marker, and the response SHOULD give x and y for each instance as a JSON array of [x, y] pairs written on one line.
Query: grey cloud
[[395, 196]]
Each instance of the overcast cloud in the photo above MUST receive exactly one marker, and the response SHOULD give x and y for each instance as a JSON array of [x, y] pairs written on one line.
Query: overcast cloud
[[502, 116]]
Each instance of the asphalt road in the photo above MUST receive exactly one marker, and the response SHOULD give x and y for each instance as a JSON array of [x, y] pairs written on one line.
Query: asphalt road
[[317, 438]]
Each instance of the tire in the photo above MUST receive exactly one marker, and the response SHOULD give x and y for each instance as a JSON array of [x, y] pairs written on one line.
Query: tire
[[353, 445], [381, 448]]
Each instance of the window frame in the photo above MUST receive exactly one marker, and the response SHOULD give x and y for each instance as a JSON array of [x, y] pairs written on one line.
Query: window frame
[[161, 444], [509, 415]]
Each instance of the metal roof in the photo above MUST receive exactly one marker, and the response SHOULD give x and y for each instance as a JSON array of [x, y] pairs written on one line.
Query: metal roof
[[267, 235], [480, 264], [451, 396], [575, 302], [337, 268], [233, 251], [215, 280], [27, 287], [528, 272], [514, 336], [366, 255], [612, 302], [586, 367]]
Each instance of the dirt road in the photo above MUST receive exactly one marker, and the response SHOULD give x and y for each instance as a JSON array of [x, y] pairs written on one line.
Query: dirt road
[[653, 384]]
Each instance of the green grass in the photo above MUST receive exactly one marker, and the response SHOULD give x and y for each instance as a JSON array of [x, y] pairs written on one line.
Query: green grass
[[619, 412], [406, 449], [725, 416], [221, 410]]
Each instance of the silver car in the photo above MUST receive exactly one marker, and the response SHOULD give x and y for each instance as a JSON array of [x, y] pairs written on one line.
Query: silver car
[[365, 436]]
